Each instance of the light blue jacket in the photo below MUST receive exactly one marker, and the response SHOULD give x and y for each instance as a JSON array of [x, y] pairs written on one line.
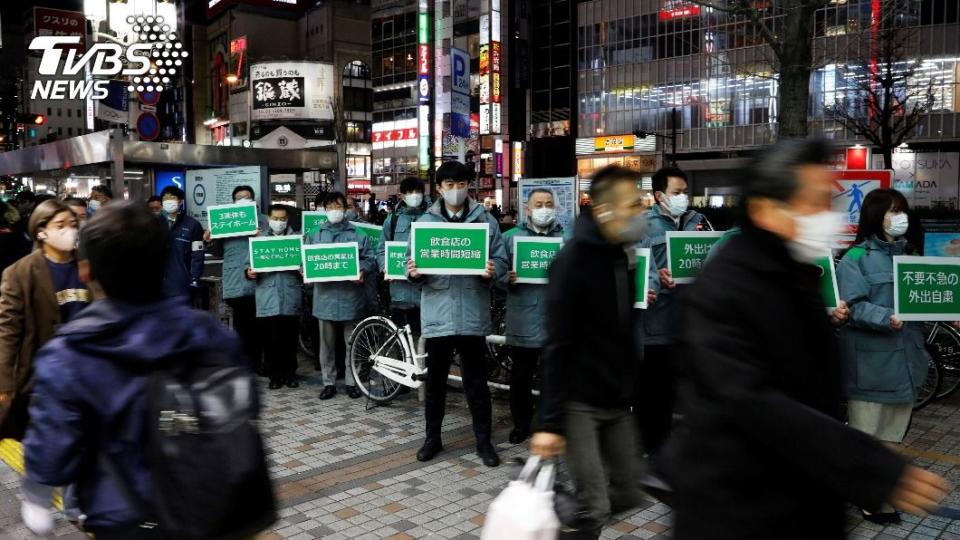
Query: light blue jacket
[[278, 293], [343, 300], [881, 365], [660, 322], [403, 294], [460, 305], [236, 260], [526, 303]]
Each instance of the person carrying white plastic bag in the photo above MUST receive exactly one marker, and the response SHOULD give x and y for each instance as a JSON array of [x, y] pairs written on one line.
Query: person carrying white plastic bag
[[525, 509]]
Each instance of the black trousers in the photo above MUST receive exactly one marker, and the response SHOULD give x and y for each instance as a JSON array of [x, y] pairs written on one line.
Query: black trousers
[[656, 396], [473, 367], [129, 532], [526, 361], [411, 316], [245, 325], [280, 348]]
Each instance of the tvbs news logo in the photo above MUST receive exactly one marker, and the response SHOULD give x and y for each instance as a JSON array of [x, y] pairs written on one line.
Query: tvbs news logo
[[149, 63]]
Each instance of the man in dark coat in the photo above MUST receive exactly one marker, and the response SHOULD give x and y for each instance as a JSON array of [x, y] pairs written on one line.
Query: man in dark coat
[[762, 452]]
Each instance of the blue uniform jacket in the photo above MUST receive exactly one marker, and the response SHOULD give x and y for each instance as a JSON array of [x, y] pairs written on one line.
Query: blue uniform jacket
[[526, 303], [236, 260], [342, 300], [185, 263], [278, 293], [403, 294]]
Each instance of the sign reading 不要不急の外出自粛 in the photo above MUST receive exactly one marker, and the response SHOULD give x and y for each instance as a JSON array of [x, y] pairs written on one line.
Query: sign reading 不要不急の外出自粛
[[312, 221], [450, 248], [687, 251], [642, 277], [926, 288], [372, 232], [331, 262], [395, 254], [275, 253], [230, 220], [828, 281], [532, 256]]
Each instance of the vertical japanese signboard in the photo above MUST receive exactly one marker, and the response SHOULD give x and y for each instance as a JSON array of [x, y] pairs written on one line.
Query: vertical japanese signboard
[[643, 278], [423, 87], [331, 262], [450, 248], [460, 93], [926, 288], [532, 256], [275, 253], [687, 251]]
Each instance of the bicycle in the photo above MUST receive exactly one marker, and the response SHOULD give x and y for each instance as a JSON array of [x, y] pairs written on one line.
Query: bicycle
[[943, 374], [383, 357]]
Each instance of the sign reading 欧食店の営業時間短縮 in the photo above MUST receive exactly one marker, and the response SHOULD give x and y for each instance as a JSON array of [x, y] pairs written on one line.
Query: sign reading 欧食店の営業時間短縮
[[532, 256], [450, 248], [275, 253], [687, 251], [232, 220], [331, 262], [926, 288], [395, 254]]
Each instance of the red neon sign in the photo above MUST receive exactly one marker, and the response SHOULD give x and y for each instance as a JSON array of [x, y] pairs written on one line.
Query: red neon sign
[[392, 135], [424, 56]]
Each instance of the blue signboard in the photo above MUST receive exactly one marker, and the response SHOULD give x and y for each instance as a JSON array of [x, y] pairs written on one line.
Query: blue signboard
[[168, 178], [460, 93]]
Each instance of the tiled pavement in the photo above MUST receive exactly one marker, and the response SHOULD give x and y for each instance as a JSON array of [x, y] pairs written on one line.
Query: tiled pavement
[[346, 472]]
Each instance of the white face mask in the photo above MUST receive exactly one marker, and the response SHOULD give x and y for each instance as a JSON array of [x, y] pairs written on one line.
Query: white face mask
[[335, 216], [677, 204], [816, 234], [60, 239], [543, 217], [413, 200], [170, 206], [93, 205], [899, 223], [277, 226], [243, 200], [455, 197]]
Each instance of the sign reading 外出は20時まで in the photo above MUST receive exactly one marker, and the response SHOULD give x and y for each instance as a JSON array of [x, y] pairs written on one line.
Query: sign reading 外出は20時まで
[[687, 251], [532, 256], [926, 288], [231, 220], [450, 248], [275, 253]]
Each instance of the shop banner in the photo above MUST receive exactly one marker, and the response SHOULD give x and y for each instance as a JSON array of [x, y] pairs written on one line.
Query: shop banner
[[532, 256], [926, 288], [275, 253], [331, 262], [395, 254], [450, 248], [230, 220], [642, 277], [687, 251]]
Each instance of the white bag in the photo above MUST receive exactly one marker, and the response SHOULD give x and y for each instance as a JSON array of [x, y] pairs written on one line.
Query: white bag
[[524, 510]]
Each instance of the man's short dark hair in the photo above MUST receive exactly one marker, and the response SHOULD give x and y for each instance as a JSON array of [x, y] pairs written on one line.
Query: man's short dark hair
[[103, 190], [541, 190], [25, 196], [75, 201], [126, 246], [606, 178], [278, 206], [238, 189], [453, 170], [411, 183], [662, 177], [335, 196], [154, 198], [172, 190], [772, 173]]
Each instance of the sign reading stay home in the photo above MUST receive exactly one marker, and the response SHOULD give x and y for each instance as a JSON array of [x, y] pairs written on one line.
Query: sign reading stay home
[[275, 253], [312, 221], [230, 220], [686, 252], [395, 260], [643, 278], [450, 248], [372, 232], [331, 262], [532, 256], [926, 288], [828, 282]]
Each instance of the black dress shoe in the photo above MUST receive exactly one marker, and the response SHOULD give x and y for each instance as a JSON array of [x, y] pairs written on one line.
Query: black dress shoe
[[518, 435], [354, 392], [488, 455], [430, 448], [881, 518], [328, 392], [293, 382], [275, 383]]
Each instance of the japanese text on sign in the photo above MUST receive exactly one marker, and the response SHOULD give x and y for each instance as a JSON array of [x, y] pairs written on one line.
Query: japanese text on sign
[[331, 262], [926, 288], [532, 257], [687, 251], [445, 248], [274, 254], [230, 220]]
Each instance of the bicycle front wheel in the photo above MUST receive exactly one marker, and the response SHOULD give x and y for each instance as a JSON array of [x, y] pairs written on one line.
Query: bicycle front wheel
[[928, 391], [374, 336], [943, 344]]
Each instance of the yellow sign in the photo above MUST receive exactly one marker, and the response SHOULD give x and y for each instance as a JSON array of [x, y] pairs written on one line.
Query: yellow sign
[[614, 143]]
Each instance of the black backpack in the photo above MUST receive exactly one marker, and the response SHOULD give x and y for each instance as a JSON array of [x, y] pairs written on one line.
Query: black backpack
[[206, 457]]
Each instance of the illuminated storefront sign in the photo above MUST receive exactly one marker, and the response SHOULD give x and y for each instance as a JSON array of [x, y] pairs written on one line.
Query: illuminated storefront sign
[[616, 143], [517, 160], [495, 71], [678, 9], [423, 88], [395, 135]]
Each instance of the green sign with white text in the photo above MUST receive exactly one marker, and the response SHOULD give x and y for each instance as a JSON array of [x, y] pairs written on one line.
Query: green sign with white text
[[828, 282], [232, 220], [372, 232], [642, 277], [395, 254], [450, 248], [926, 288], [312, 221], [275, 253], [331, 262], [532, 256], [687, 251]]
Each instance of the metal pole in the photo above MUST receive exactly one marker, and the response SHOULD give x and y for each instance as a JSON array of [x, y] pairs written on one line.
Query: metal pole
[[673, 136]]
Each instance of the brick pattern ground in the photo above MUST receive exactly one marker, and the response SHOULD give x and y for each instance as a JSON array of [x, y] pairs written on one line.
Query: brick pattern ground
[[345, 471]]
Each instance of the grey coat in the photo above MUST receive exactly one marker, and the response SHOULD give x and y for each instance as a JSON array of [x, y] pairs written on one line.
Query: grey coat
[[278, 293], [342, 300], [403, 294]]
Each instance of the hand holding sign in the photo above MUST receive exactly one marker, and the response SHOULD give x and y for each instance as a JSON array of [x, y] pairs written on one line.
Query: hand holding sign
[[489, 270], [841, 314], [895, 324], [666, 278], [412, 270], [513, 277]]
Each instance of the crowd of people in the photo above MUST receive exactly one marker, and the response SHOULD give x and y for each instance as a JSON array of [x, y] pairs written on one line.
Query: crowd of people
[[731, 390]]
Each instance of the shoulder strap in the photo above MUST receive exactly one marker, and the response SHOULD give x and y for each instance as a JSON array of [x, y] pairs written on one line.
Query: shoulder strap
[[393, 225]]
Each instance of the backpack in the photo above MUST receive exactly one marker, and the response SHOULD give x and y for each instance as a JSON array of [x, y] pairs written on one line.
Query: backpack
[[206, 456]]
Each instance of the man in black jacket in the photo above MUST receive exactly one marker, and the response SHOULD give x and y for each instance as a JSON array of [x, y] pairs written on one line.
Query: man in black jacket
[[762, 452], [592, 353]]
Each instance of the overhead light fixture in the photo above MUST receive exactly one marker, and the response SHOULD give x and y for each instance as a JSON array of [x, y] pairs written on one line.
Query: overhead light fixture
[[232, 78]]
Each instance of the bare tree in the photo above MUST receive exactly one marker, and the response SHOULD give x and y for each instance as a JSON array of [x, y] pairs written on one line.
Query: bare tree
[[786, 27], [884, 97]]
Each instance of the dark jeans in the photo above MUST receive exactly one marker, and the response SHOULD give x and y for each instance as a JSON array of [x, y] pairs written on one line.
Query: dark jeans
[[411, 316], [472, 351], [280, 348], [130, 532], [525, 364], [656, 396], [245, 325]]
